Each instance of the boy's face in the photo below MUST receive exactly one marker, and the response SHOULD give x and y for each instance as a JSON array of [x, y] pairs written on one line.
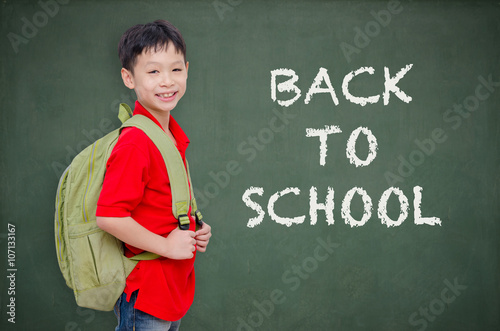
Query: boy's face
[[159, 79]]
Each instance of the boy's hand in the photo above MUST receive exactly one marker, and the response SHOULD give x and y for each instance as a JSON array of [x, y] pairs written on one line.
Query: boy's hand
[[202, 237], [180, 244]]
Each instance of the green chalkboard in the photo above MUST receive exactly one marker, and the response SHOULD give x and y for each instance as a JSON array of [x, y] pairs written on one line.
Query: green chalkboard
[[327, 214]]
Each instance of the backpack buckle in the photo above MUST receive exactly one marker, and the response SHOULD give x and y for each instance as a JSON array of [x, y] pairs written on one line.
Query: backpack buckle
[[198, 217], [183, 222]]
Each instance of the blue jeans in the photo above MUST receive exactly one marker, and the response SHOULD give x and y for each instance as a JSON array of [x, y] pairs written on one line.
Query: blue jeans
[[131, 319]]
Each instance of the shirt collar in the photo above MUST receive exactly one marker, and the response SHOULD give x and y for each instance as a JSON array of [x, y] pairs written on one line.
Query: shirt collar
[[179, 135]]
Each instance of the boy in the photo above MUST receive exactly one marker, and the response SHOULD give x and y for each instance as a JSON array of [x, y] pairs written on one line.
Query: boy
[[135, 204]]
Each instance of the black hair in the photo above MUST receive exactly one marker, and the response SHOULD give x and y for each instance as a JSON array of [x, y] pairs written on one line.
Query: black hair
[[145, 37]]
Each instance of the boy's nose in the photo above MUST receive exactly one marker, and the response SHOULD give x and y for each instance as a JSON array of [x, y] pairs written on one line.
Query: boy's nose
[[166, 80]]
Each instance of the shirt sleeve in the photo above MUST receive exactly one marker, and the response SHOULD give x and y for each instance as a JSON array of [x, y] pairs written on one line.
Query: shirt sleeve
[[127, 173]]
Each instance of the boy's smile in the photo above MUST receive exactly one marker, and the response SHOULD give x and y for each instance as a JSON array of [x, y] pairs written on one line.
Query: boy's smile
[[159, 80]]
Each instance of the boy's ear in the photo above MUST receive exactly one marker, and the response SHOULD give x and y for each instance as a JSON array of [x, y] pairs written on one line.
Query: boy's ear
[[128, 78], [187, 67]]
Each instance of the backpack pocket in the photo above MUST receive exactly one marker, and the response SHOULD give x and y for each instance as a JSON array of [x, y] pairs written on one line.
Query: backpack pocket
[[96, 257]]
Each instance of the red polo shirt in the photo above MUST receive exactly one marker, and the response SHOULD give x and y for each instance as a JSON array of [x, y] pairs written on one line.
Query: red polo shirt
[[136, 184]]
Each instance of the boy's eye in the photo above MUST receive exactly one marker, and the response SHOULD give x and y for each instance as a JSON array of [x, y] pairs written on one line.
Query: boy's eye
[[177, 69], [154, 72]]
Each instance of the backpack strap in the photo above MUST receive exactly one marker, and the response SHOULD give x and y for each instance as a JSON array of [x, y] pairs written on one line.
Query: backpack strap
[[180, 186], [180, 179], [124, 114], [194, 208], [144, 256]]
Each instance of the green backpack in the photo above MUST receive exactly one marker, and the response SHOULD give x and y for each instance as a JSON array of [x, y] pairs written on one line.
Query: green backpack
[[91, 260]]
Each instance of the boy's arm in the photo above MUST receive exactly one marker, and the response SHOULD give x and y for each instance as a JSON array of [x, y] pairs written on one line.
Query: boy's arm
[[178, 245]]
